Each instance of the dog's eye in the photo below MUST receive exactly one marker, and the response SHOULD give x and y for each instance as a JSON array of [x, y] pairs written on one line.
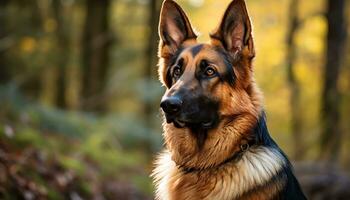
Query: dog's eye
[[177, 71], [209, 71]]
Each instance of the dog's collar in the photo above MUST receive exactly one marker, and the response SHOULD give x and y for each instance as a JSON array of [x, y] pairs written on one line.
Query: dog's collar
[[234, 158]]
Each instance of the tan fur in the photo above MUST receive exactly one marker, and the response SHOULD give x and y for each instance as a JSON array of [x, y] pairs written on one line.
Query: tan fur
[[164, 55], [227, 182], [243, 101], [240, 106]]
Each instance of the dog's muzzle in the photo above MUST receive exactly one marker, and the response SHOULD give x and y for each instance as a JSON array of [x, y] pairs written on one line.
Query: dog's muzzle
[[188, 115]]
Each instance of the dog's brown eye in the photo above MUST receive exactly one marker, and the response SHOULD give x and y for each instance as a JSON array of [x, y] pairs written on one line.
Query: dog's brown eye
[[209, 71], [177, 71]]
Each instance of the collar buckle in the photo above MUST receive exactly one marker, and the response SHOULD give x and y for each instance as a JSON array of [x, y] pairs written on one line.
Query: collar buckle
[[244, 147]]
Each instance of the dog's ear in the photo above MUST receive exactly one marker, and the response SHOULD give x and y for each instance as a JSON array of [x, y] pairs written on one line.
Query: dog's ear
[[174, 27], [234, 31]]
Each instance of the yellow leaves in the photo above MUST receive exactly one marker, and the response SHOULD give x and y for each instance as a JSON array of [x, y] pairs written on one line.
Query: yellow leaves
[[28, 44], [205, 15], [302, 71], [312, 34], [50, 25]]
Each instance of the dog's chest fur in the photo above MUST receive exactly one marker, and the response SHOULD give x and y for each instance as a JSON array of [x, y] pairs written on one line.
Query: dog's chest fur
[[255, 171]]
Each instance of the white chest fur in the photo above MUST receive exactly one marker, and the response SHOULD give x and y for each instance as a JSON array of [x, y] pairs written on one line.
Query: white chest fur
[[256, 167]]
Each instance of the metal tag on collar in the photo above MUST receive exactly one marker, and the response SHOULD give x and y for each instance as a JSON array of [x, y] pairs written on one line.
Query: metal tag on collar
[[244, 147]]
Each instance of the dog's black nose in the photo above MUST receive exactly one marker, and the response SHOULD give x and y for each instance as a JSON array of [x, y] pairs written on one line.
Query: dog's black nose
[[171, 105]]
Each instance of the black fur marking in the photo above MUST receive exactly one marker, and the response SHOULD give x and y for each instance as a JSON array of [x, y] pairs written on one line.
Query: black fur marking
[[198, 112], [174, 58], [262, 135], [207, 110], [172, 61], [198, 108], [196, 49], [229, 76], [200, 134], [292, 189]]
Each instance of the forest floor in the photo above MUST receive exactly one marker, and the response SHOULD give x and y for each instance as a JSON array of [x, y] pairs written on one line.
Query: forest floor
[[28, 172], [47, 153]]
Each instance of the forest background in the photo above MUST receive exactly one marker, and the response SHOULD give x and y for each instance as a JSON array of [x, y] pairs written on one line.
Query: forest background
[[79, 93]]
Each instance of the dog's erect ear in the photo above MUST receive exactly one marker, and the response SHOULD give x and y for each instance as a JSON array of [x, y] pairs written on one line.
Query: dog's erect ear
[[174, 26], [234, 31]]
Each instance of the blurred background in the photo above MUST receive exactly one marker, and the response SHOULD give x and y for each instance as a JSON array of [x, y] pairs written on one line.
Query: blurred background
[[79, 95]]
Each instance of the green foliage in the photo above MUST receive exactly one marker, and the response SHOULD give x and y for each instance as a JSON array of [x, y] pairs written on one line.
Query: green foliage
[[80, 142], [118, 144]]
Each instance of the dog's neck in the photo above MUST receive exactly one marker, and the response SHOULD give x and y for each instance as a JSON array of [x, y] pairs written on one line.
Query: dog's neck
[[260, 136], [255, 169], [245, 146], [252, 168]]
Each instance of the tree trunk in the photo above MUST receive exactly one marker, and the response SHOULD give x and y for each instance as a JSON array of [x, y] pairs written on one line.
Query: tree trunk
[[151, 60], [96, 42], [331, 134], [294, 100], [151, 55], [5, 70], [31, 85], [63, 50]]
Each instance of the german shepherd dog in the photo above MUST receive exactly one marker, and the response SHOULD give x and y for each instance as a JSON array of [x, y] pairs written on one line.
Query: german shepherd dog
[[217, 145]]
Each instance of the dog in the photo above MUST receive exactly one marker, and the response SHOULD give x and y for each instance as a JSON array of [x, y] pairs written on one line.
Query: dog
[[217, 145]]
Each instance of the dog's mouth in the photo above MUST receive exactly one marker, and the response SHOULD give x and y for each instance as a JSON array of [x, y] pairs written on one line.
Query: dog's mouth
[[199, 114], [203, 124], [179, 123]]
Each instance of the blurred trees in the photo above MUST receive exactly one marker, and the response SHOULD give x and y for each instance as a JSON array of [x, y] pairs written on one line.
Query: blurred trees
[[47, 39], [294, 99], [150, 67], [99, 56], [5, 71], [95, 59], [33, 28], [335, 48], [63, 50]]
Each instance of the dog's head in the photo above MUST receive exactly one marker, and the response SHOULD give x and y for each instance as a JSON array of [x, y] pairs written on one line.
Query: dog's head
[[209, 85]]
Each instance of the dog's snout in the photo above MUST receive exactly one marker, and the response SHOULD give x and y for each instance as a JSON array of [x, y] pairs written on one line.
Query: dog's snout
[[171, 105]]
